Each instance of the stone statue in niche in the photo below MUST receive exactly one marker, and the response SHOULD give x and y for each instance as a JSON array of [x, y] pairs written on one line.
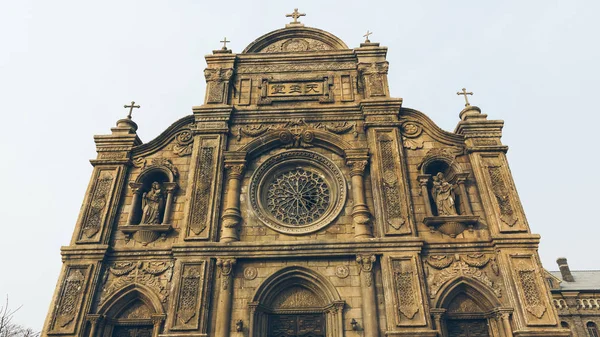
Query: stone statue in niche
[[153, 203], [443, 195]]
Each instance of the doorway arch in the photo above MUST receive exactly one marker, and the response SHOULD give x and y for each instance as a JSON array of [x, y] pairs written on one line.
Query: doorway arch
[[467, 308], [296, 301]]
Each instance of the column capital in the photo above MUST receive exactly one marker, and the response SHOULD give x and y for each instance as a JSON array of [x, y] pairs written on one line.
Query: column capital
[[357, 167], [235, 169], [225, 265], [423, 179], [94, 318], [365, 262], [170, 187], [135, 187], [461, 178], [158, 319]]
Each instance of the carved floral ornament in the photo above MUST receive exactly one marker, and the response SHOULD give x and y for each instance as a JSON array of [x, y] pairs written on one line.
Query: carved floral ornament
[[296, 133], [297, 192], [447, 268], [155, 275], [410, 134]]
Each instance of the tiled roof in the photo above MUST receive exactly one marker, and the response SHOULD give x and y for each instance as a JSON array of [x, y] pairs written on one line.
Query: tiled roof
[[584, 280]]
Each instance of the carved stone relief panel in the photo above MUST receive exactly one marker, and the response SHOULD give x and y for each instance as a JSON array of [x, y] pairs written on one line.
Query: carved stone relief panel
[[502, 195], [155, 275], [190, 304], [534, 298], [374, 78], [201, 206], [441, 269], [401, 277], [391, 185], [294, 67], [298, 89], [97, 204], [69, 300], [295, 45], [217, 80]]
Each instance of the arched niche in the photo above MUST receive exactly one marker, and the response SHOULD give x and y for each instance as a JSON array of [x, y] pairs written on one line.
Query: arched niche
[[153, 194], [467, 307], [133, 311], [300, 295], [443, 189]]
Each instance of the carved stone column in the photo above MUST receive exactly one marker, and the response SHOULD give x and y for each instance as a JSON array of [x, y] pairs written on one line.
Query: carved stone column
[[438, 314], [170, 188], [360, 212], [157, 321], [222, 325], [135, 188], [231, 215], [94, 319], [461, 178], [423, 181], [369, 303], [505, 320]]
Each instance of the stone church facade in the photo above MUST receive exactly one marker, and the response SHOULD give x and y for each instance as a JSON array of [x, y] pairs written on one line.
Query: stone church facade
[[302, 200]]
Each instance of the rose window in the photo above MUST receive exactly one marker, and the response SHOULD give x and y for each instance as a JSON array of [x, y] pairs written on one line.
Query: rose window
[[298, 197], [297, 192]]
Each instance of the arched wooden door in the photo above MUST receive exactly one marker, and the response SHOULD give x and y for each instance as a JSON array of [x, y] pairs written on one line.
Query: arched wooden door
[[296, 325]]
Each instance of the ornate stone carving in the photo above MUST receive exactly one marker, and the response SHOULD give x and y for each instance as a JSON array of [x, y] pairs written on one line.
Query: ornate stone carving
[[357, 167], [139, 162], [295, 67], [501, 192], [391, 187], [198, 218], [373, 77], [297, 297], [252, 131], [295, 45], [310, 205], [225, 267], [405, 290], [217, 79], [189, 292], [250, 273], [184, 142], [456, 269], [100, 196], [153, 274], [69, 299], [342, 271], [477, 260], [447, 154], [339, 128], [365, 264], [531, 292], [163, 162], [440, 261], [298, 197], [411, 131]]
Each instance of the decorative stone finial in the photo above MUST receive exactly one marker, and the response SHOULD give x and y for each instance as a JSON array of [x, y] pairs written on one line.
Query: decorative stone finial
[[127, 125]]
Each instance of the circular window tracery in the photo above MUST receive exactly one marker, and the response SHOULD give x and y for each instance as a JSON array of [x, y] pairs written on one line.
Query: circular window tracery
[[297, 192]]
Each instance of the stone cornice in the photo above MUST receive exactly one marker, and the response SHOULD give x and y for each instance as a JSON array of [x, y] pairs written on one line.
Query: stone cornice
[[295, 248], [84, 252]]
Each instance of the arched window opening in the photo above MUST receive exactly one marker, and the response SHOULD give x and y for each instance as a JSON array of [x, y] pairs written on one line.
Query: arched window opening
[[565, 325], [592, 329]]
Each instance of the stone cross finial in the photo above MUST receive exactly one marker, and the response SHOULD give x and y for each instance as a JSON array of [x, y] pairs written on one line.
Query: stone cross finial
[[131, 108], [295, 15], [367, 36], [225, 41], [465, 93]]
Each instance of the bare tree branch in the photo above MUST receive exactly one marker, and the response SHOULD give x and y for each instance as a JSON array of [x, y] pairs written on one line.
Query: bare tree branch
[[10, 329]]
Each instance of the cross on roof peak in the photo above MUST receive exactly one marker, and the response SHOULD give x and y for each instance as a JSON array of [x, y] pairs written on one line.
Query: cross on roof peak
[[295, 15], [225, 41], [366, 36], [465, 93], [131, 108]]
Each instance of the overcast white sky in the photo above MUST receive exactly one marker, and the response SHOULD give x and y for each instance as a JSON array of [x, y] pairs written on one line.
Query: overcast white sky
[[67, 68]]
